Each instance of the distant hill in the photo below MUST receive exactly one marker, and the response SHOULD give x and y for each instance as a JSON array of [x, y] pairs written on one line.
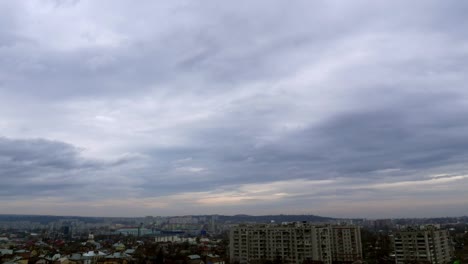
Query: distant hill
[[240, 218], [275, 218], [45, 219]]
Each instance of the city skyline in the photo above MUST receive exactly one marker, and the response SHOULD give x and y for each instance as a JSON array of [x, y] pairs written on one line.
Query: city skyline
[[331, 108]]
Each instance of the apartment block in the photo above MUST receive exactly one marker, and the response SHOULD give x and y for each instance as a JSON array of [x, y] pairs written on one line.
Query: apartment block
[[346, 243], [422, 244], [295, 243]]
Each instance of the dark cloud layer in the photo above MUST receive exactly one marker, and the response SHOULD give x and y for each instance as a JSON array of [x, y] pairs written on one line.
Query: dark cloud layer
[[30, 167]]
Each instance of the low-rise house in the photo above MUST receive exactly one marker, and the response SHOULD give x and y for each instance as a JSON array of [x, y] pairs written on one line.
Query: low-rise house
[[194, 259], [115, 258], [214, 259]]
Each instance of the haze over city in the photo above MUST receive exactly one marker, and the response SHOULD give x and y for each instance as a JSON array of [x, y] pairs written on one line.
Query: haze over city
[[332, 108]]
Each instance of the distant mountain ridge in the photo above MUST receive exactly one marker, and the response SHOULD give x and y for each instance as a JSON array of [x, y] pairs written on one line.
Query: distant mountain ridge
[[44, 219], [276, 218], [241, 218]]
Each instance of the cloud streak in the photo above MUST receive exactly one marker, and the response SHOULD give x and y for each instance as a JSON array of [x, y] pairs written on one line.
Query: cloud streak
[[168, 108]]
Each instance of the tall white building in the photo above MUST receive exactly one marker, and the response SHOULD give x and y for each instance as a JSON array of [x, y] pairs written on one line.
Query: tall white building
[[426, 244], [295, 243]]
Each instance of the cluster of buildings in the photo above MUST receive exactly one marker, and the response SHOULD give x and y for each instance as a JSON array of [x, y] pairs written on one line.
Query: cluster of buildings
[[423, 244], [75, 227], [111, 250], [302, 242], [295, 243], [44, 256], [203, 240]]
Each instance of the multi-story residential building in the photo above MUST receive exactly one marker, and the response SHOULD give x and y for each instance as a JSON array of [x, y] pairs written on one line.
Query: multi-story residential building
[[422, 244], [295, 243], [346, 243]]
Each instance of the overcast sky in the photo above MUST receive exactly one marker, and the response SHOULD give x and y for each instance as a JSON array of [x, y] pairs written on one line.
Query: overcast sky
[[333, 108]]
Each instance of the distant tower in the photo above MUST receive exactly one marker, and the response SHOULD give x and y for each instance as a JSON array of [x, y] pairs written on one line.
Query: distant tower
[[139, 229], [90, 237], [66, 230], [213, 227]]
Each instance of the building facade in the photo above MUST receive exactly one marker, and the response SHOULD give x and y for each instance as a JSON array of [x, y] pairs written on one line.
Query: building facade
[[295, 243], [423, 244], [346, 243]]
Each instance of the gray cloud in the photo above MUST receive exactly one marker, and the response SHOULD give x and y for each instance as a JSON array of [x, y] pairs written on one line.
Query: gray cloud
[[32, 167], [230, 107]]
